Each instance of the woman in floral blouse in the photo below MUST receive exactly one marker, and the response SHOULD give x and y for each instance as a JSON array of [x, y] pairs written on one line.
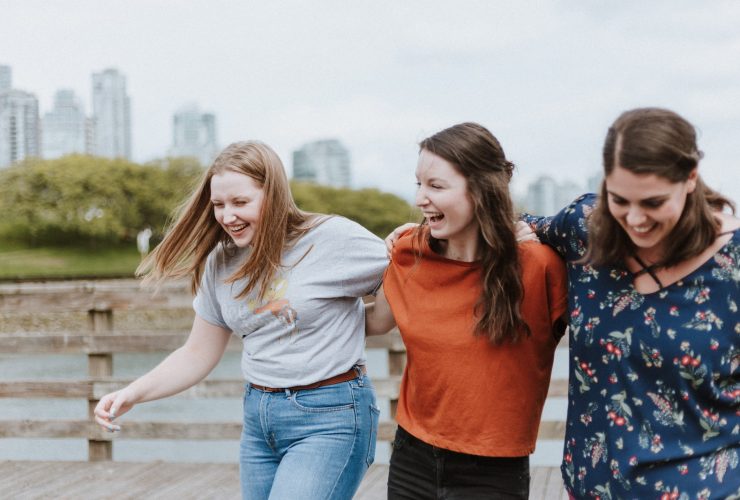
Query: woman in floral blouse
[[654, 274]]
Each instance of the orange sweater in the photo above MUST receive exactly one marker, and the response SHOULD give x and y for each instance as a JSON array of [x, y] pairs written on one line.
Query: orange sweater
[[459, 392]]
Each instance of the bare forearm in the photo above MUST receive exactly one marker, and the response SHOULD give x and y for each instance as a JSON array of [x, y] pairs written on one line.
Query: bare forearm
[[186, 366], [378, 316], [179, 371]]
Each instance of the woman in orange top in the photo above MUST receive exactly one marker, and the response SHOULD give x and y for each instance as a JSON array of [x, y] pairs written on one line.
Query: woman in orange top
[[480, 316]]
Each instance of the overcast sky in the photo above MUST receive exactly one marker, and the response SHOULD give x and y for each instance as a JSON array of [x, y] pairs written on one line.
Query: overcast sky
[[547, 78]]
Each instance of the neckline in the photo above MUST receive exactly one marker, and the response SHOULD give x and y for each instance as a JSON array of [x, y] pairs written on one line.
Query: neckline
[[650, 270], [663, 288], [438, 256]]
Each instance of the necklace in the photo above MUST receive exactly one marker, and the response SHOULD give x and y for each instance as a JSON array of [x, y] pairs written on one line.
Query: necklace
[[650, 270]]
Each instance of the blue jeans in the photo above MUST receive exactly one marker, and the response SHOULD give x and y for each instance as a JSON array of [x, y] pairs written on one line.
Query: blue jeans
[[311, 444]]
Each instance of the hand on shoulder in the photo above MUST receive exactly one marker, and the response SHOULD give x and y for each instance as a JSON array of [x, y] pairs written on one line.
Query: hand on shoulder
[[729, 222]]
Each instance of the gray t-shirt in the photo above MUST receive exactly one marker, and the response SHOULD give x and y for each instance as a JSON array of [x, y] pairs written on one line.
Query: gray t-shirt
[[311, 323]]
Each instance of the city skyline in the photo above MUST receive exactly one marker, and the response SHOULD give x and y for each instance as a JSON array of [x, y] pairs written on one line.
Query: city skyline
[[546, 78], [194, 134], [325, 161]]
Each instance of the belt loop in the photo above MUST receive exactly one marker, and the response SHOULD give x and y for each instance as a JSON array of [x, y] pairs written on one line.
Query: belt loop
[[358, 370], [249, 389], [288, 393]]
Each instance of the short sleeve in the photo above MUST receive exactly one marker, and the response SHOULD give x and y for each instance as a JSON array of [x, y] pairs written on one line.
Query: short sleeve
[[359, 257], [566, 231], [557, 287], [206, 303]]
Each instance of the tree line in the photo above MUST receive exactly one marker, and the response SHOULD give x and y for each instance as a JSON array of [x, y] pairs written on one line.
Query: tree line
[[86, 200]]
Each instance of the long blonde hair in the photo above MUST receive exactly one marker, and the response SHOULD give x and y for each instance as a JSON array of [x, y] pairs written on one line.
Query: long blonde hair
[[195, 232]]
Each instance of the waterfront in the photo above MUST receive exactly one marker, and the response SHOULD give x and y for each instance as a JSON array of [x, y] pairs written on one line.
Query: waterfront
[[17, 367]]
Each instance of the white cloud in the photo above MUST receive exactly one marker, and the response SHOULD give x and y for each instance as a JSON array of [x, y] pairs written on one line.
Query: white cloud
[[546, 77]]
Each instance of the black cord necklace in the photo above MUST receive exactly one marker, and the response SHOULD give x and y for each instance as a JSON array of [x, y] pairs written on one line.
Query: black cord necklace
[[647, 269]]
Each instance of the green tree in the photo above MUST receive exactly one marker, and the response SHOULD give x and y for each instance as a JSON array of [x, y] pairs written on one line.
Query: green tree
[[84, 199], [379, 212]]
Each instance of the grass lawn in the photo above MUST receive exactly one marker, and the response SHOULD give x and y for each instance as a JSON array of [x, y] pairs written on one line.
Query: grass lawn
[[18, 262]]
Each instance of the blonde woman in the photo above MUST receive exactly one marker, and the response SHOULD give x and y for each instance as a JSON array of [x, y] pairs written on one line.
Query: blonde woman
[[289, 284]]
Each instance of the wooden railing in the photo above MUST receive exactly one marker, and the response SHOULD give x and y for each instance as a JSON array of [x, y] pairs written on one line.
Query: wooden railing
[[35, 319]]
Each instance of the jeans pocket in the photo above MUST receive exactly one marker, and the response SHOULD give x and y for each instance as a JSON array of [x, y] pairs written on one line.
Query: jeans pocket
[[329, 398], [374, 416], [400, 440]]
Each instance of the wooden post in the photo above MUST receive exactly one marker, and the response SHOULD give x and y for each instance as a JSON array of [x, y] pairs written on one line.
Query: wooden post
[[396, 365], [98, 366]]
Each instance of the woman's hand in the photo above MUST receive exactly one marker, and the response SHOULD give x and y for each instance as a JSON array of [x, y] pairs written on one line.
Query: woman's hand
[[392, 238], [181, 370], [522, 229], [111, 406], [524, 232]]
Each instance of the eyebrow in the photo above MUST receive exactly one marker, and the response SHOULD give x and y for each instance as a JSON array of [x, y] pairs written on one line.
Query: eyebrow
[[436, 179], [657, 197]]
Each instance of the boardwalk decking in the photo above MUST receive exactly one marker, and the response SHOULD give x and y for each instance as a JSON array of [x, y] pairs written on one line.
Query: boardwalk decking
[[160, 480], [106, 318]]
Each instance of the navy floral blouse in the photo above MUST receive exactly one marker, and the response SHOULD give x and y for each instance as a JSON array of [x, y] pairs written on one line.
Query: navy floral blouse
[[654, 385]]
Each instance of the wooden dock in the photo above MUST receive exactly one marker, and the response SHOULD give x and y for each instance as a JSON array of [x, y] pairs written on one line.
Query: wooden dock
[[101, 319], [160, 480]]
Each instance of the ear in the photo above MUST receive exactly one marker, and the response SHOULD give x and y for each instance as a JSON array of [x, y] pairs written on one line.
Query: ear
[[691, 180]]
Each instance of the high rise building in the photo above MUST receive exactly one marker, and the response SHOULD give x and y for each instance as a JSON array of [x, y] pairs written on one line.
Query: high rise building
[[112, 115], [542, 196], [19, 126], [6, 78], [65, 127], [593, 184], [194, 134], [324, 162], [545, 196]]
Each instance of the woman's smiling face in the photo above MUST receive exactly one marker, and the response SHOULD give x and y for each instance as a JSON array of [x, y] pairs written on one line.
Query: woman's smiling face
[[444, 199], [647, 207], [237, 205]]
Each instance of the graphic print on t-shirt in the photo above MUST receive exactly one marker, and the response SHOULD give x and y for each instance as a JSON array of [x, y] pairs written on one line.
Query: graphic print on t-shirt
[[275, 302]]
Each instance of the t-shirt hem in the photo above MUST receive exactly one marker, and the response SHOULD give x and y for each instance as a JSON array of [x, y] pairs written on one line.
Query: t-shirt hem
[[466, 447]]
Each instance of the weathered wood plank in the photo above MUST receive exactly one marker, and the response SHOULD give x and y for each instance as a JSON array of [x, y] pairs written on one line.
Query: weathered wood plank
[[538, 482], [142, 341], [231, 388], [104, 480], [66, 343], [374, 484], [160, 480], [90, 295], [132, 429], [390, 341]]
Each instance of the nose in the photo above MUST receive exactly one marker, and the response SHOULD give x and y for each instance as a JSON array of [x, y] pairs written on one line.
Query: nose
[[421, 197], [228, 215], [635, 216]]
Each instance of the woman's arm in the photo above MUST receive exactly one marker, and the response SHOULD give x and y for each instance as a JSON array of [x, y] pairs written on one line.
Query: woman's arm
[[523, 233], [378, 316], [566, 231], [181, 370]]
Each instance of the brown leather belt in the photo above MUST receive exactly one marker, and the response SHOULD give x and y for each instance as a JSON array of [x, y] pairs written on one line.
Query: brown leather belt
[[350, 374]]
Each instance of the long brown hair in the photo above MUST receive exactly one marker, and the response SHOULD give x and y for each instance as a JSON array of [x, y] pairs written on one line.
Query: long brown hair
[[478, 156], [661, 142], [195, 231]]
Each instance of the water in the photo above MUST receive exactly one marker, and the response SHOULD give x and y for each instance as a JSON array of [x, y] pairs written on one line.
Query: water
[[175, 410]]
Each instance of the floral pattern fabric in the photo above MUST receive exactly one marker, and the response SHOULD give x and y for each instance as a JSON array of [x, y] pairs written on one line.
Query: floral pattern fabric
[[654, 384]]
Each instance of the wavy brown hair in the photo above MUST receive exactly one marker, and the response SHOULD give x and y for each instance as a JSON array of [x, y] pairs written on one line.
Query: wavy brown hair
[[478, 156], [661, 142], [194, 233]]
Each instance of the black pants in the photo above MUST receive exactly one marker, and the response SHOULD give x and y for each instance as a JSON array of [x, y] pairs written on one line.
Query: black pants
[[422, 471]]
